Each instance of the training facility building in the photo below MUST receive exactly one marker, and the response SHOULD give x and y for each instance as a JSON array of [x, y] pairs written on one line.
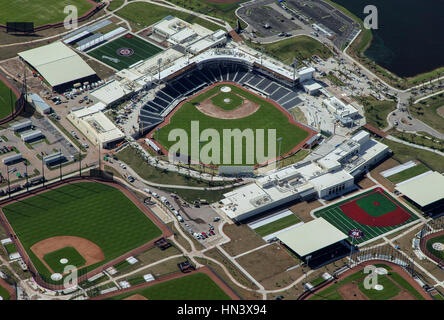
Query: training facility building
[[345, 113], [327, 178], [41, 106], [316, 242], [96, 126], [59, 65], [426, 191]]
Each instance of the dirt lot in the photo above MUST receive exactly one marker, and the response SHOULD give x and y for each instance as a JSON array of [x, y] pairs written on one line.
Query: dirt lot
[[268, 266], [375, 173], [242, 239], [302, 209], [365, 183]]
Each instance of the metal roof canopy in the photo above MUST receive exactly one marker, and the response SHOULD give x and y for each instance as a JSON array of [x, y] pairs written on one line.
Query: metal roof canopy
[[311, 236], [57, 63], [424, 190]]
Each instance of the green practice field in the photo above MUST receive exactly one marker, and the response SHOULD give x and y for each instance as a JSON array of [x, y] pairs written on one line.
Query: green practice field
[[198, 286], [266, 117], [99, 213], [72, 255], [408, 173], [39, 11], [383, 205], [436, 253], [340, 220], [393, 284], [4, 294], [141, 50], [277, 225], [233, 101], [7, 99]]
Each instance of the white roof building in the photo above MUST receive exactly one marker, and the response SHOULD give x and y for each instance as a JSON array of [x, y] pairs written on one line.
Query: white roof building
[[425, 189], [311, 237], [57, 63], [112, 91]]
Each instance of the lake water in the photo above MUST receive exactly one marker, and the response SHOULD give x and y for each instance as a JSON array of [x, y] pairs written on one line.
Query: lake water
[[410, 35]]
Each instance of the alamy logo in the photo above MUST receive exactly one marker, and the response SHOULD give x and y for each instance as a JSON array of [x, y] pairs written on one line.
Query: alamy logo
[[70, 281], [206, 145], [371, 280], [70, 21], [371, 21]]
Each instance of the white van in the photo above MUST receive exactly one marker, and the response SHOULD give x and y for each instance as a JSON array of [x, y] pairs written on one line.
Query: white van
[[180, 218], [176, 213], [155, 195], [147, 191]]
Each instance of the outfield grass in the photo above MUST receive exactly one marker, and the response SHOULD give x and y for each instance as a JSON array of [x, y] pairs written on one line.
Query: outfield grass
[[39, 11], [72, 255], [376, 111], [368, 205], [408, 173], [426, 111], [4, 294], [142, 51], [392, 283], [142, 15], [436, 253], [7, 99], [198, 286], [300, 47], [277, 225], [94, 211], [235, 100], [340, 220], [266, 117], [115, 4]]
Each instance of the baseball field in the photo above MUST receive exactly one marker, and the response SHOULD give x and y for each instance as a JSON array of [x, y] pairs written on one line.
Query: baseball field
[[197, 286], [237, 109], [374, 212], [124, 51], [435, 246], [82, 224], [392, 286], [40, 11]]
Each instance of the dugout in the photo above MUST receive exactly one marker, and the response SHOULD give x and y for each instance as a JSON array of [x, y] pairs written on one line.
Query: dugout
[[316, 242], [425, 192]]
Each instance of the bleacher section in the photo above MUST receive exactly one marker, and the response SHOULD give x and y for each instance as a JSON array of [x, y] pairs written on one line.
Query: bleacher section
[[197, 78]]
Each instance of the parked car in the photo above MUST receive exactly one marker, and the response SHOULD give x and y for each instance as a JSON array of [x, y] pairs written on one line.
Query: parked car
[[204, 234]]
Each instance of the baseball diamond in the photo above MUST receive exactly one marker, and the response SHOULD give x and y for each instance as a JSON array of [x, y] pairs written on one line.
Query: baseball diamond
[[81, 215], [374, 212]]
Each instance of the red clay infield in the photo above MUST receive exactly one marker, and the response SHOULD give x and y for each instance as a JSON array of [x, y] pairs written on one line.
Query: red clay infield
[[391, 219], [311, 133]]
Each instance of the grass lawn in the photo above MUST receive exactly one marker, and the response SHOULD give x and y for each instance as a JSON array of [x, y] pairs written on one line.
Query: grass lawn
[[7, 99], [277, 225], [150, 173], [335, 80], [300, 47], [10, 248], [220, 101], [141, 50], [266, 117], [94, 211], [436, 253], [72, 255], [426, 111], [376, 111], [392, 283], [39, 11], [115, 4], [4, 294], [340, 220], [408, 173], [142, 15], [197, 286], [403, 153]]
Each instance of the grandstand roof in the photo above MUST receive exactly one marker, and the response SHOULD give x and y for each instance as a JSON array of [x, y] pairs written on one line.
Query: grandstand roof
[[57, 63], [424, 190], [311, 236]]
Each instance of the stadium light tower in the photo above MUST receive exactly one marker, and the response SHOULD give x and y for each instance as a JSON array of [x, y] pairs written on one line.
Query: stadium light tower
[[262, 53], [9, 184], [295, 62], [307, 258]]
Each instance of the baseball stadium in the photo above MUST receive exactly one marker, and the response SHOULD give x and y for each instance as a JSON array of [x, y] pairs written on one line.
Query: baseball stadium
[[69, 225], [374, 212]]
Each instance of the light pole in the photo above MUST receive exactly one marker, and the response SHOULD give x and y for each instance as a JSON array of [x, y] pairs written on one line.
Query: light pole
[[43, 170], [60, 163], [9, 185], [307, 258], [279, 157], [26, 172]]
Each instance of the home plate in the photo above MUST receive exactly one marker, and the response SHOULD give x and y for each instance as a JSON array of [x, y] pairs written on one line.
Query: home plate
[[63, 261], [56, 276], [381, 271], [378, 287], [225, 89]]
